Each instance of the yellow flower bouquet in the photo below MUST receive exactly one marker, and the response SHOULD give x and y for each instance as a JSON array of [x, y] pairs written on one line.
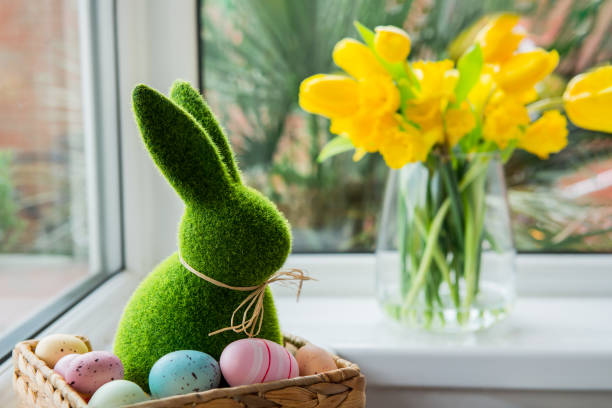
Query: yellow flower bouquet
[[449, 126]]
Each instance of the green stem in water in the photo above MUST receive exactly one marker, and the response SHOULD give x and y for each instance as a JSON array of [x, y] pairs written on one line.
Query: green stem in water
[[434, 231], [440, 262], [473, 214]]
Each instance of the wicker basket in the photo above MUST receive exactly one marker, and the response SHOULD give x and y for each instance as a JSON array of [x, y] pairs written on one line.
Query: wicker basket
[[39, 386]]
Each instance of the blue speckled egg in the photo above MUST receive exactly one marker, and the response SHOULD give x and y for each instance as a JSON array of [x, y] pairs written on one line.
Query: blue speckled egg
[[117, 393], [183, 372]]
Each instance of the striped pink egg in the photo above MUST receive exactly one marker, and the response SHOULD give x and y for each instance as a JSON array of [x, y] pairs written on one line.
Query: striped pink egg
[[251, 361]]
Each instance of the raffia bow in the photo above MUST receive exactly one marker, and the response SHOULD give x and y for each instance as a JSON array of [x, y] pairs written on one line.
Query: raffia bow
[[253, 303]]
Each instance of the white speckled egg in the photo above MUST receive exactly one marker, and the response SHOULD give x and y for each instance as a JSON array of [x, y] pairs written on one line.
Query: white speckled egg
[[55, 346], [183, 372], [117, 393]]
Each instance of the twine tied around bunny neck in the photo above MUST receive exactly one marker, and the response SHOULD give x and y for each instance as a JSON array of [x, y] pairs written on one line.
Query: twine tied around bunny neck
[[251, 325]]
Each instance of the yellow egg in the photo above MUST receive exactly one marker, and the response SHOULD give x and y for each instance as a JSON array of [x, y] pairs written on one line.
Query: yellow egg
[[55, 346], [314, 360]]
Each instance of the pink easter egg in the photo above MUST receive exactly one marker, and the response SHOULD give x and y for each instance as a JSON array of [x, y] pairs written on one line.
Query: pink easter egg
[[88, 372], [62, 365], [251, 361]]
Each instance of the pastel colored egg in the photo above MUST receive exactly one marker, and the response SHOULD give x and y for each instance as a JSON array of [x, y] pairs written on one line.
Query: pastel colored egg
[[88, 372], [183, 372], [55, 346], [63, 363], [251, 361], [314, 360], [117, 393]]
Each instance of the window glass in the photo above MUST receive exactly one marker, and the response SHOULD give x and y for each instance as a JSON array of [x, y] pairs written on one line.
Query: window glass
[[43, 209], [255, 54]]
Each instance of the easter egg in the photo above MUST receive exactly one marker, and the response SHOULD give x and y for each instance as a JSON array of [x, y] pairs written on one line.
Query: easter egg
[[88, 372], [62, 365], [117, 393], [183, 372], [314, 360], [55, 346], [250, 361]]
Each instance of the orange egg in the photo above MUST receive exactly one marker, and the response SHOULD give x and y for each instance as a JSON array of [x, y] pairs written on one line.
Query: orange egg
[[314, 360]]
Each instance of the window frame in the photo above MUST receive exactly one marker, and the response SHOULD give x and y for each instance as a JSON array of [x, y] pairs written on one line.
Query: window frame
[[98, 52]]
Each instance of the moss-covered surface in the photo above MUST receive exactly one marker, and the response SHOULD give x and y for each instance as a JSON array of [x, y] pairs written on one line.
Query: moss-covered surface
[[229, 232]]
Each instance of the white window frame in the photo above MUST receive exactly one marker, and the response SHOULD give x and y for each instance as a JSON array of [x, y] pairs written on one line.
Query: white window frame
[[103, 173]]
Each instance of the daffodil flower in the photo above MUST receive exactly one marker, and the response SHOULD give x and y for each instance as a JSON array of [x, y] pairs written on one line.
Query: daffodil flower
[[458, 122], [402, 146], [546, 135], [504, 121]]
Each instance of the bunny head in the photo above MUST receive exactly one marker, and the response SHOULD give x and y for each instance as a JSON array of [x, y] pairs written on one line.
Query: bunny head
[[229, 232]]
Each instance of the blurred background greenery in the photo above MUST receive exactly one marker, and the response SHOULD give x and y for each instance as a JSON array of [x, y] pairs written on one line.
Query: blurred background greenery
[[256, 53]]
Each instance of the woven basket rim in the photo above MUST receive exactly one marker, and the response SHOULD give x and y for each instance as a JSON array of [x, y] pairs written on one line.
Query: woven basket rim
[[346, 370]]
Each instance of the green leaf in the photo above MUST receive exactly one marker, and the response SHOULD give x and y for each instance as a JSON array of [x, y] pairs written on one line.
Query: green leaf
[[469, 66], [406, 92], [412, 77], [366, 34], [337, 145]]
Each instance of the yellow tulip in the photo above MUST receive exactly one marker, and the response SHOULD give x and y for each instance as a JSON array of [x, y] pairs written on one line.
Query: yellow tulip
[[546, 135], [458, 122], [402, 146], [522, 71], [588, 100], [504, 121], [392, 43], [329, 95], [357, 60], [500, 38]]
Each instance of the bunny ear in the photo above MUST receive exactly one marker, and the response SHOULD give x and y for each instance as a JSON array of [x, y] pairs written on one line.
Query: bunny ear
[[190, 99], [180, 147]]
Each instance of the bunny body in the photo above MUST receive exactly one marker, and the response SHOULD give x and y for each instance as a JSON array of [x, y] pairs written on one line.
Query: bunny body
[[228, 232]]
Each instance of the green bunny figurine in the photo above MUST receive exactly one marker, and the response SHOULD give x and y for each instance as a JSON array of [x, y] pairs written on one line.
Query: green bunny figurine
[[229, 232]]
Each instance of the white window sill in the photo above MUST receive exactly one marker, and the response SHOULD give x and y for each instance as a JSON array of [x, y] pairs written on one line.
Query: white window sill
[[546, 343]]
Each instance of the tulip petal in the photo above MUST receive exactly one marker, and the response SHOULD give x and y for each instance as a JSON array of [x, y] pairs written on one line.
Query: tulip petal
[[522, 71], [356, 59], [500, 38], [392, 43], [588, 100], [329, 95]]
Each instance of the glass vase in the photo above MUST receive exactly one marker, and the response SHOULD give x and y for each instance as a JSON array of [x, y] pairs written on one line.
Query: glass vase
[[445, 257]]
